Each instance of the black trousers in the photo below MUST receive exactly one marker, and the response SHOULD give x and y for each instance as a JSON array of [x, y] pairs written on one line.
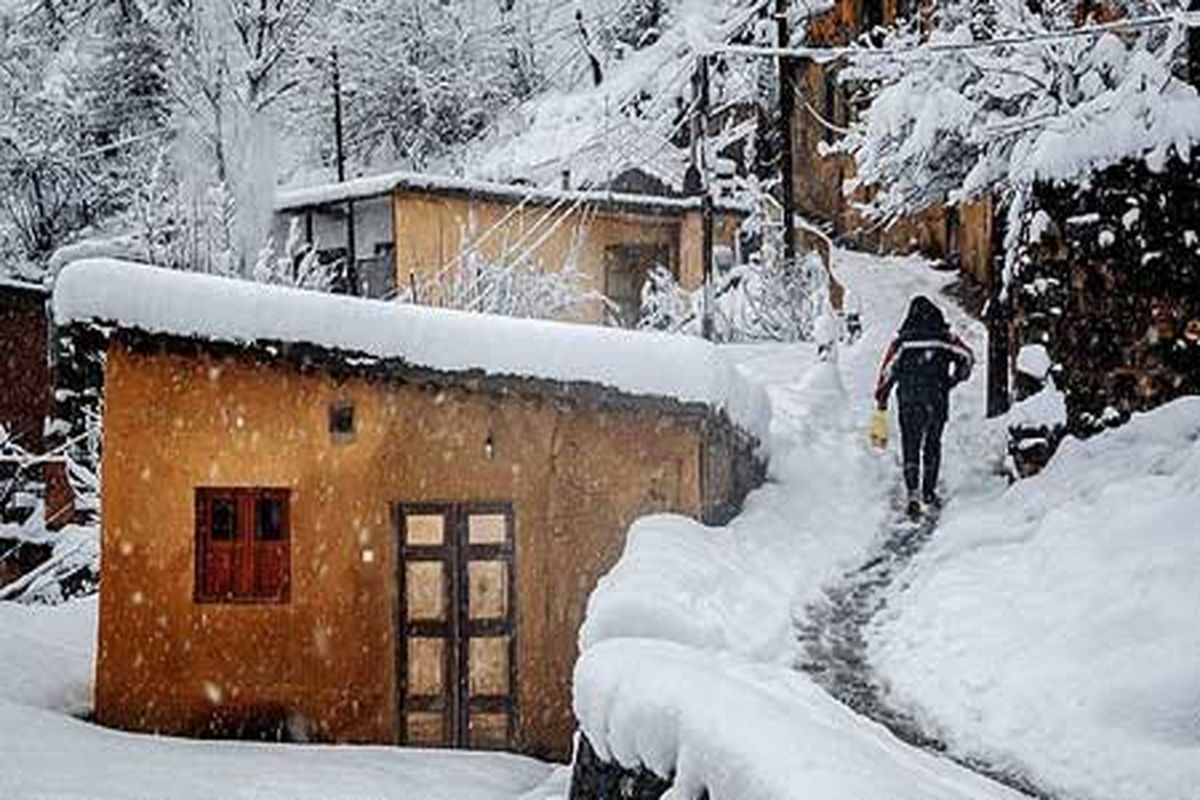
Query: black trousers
[[921, 426]]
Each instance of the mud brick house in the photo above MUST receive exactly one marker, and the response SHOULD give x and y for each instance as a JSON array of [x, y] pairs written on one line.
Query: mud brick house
[[961, 235], [408, 229], [360, 521], [36, 497]]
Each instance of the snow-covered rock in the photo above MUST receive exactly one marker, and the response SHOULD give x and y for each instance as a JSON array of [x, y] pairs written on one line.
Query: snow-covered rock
[[1034, 360]]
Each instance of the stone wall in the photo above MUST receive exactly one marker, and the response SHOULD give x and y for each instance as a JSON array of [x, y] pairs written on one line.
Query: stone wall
[[1108, 279]]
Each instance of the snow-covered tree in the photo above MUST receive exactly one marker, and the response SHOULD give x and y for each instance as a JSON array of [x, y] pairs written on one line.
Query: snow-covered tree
[[510, 287], [232, 63], [418, 77], [84, 102], [989, 97], [761, 300]]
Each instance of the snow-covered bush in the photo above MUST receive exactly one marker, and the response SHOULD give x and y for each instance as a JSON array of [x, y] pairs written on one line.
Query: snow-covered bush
[[512, 288], [666, 306], [763, 300], [69, 557], [297, 265]]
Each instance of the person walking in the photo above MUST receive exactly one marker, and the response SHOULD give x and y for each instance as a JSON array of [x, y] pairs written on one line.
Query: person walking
[[925, 361]]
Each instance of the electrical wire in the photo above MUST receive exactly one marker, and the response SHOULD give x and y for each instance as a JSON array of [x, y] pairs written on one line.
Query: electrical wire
[[1189, 19]]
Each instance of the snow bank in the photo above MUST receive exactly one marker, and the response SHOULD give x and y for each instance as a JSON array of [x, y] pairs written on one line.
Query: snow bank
[[204, 306], [1046, 409], [747, 731], [1054, 627], [45, 674], [46, 655]]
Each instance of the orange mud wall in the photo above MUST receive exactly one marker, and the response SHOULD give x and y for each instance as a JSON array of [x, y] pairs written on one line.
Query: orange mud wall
[[432, 230], [577, 478]]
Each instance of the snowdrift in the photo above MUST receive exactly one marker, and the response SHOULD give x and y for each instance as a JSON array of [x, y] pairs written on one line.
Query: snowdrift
[[1054, 628]]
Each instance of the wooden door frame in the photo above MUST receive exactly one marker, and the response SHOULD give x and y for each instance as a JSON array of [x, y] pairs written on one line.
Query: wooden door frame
[[458, 629]]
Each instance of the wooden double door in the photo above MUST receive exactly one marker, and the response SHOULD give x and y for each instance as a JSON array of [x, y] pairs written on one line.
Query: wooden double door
[[456, 663]]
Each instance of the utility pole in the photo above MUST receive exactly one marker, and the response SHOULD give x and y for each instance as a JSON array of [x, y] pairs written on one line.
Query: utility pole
[[787, 110], [700, 164], [351, 253], [997, 319]]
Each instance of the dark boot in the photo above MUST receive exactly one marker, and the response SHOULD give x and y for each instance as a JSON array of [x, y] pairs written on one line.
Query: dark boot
[[914, 506]]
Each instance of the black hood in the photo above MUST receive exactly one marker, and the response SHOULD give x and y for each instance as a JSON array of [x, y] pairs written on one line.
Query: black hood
[[924, 319]]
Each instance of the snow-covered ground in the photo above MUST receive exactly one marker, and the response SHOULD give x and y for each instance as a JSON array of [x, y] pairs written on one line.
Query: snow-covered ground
[[1054, 627], [45, 674], [708, 615]]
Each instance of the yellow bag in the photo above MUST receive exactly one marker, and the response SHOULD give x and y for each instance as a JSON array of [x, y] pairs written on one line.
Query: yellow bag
[[879, 429]]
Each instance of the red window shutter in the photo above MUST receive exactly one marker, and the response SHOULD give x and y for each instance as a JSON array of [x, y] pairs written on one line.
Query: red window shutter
[[218, 571], [243, 560], [270, 570], [243, 541], [216, 540]]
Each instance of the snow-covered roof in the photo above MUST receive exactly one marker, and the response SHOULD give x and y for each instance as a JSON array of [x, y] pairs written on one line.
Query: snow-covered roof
[[206, 307], [293, 198], [14, 282]]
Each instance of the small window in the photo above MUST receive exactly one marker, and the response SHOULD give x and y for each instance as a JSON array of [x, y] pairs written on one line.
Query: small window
[[242, 545], [341, 421]]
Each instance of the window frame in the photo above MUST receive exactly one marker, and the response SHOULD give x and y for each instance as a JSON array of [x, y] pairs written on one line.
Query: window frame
[[246, 552]]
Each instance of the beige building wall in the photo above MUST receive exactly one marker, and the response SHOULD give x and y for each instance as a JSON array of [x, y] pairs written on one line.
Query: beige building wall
[[433, 230]]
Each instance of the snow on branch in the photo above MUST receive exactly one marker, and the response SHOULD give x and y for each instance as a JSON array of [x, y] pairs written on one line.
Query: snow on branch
[[998, 96]]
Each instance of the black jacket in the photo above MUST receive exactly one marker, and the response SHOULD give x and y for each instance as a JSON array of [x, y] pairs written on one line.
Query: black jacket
[[925, 360]]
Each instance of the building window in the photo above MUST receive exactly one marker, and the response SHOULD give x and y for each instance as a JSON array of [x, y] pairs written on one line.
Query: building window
[[341, 421], [243, 544]]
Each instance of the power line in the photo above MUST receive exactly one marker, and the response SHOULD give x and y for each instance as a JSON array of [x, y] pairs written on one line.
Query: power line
[[1188, 19]]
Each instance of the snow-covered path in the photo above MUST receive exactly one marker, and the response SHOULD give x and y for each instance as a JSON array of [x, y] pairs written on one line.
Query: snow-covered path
[[708, 615]]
